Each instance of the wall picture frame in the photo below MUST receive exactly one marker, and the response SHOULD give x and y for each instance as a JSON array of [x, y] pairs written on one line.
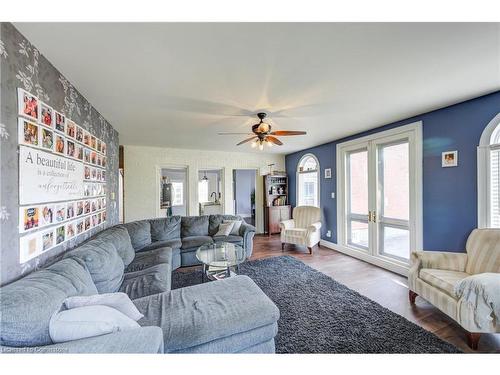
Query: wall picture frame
[[328, 172], [449, 159]]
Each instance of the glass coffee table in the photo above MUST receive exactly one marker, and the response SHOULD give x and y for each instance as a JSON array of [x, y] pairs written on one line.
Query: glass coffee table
[[220, 260]]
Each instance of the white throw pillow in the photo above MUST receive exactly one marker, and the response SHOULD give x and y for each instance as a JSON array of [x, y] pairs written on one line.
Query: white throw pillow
[[225, 229], [236, 228], [118, 301], [88, 321]]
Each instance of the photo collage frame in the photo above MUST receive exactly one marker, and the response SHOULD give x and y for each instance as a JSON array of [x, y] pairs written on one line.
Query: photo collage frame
[[46, 225]]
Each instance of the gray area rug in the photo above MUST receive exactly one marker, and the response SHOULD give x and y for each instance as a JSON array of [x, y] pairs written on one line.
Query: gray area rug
[[320, 315]]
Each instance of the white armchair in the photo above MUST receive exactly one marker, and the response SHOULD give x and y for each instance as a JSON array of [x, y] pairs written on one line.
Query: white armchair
[[303, 229], [465, 286]]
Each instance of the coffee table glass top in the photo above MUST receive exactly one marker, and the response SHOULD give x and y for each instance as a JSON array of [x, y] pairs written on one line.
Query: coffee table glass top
[[221, 254]]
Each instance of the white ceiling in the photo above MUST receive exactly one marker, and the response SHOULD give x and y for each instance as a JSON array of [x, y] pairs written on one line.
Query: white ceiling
[[178, 84]]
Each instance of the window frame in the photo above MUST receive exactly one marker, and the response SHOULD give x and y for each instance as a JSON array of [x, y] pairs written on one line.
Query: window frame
[[318, 177], [182, 193], [484, 171]]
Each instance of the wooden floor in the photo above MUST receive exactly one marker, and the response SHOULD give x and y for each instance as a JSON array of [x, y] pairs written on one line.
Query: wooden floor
[[387, 288]]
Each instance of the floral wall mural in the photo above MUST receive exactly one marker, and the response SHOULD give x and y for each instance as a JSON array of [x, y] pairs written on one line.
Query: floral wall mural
[[23, 66]]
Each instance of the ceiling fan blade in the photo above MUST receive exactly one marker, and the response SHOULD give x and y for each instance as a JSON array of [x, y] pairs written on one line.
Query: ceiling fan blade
[[274, 140], [234, 133], [288, 132], [246, 140]]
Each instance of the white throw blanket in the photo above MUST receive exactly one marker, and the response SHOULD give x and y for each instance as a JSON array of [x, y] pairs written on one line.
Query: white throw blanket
[[481, 292]]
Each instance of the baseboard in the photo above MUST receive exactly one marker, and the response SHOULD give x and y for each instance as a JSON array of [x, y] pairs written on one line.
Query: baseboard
[[393, 267]]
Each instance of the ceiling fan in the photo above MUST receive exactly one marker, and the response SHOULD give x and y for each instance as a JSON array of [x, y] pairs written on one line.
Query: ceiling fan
[[262, 134]]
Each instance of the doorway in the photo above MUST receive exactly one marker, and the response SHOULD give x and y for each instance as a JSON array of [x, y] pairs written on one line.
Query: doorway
[[173, 192], [379, 191], [244, 194]]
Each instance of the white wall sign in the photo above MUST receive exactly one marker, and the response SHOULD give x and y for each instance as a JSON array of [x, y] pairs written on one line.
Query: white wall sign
[[45, 177]]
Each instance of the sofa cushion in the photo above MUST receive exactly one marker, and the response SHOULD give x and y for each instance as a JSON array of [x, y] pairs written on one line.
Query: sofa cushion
[[146, 282], [195, 241], [165, 228], [194, 226], [28, 304], [103, 262], [232, 239], [216, 220], [140, 233], [119, 237], [146, 259], [442, 279], [188, 316], [174, 243]]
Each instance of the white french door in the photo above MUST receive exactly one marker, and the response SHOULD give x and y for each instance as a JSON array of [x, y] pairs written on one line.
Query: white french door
[[379, 196]]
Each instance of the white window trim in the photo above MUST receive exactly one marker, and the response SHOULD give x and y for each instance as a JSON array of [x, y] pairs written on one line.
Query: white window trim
[[318, 171], [416, 202], [483, 173]]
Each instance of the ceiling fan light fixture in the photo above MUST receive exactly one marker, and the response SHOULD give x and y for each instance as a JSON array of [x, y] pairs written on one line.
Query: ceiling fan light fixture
[[263, 127], [254, 144], [261, 146], [270, 144]]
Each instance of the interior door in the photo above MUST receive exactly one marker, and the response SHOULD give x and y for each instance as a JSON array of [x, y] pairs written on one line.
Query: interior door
[[379, 187]]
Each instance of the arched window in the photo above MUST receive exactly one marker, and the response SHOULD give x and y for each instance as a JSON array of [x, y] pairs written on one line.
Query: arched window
[[488, 173], [308, 181]]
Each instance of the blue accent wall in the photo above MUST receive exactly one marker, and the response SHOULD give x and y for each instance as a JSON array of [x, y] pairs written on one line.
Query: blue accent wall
[[449, 194]]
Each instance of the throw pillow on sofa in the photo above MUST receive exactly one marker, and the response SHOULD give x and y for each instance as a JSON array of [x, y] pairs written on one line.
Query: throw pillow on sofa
[[225, 229], [88, 321], [236, 227], [118, 301]]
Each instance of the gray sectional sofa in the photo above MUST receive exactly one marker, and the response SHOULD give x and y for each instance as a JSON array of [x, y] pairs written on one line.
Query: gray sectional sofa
[[226, 316]]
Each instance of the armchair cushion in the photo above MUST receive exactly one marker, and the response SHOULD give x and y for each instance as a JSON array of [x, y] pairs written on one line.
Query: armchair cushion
[[443, 279], [295, 232]]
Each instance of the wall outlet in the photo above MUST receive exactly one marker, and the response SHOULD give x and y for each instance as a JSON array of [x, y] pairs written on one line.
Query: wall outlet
[[329, 233], [333, 195]]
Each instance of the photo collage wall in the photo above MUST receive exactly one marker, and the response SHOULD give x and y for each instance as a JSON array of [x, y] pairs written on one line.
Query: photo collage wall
[[62, 177]]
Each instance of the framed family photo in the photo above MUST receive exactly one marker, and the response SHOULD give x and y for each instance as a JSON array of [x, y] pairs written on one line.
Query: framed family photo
[[328, 173], [449, 159]]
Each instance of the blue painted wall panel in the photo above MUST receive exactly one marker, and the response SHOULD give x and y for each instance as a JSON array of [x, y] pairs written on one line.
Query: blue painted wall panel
[[449, 194]]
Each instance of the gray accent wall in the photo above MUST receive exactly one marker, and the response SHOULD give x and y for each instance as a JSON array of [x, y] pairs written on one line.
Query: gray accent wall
[[22, 65]]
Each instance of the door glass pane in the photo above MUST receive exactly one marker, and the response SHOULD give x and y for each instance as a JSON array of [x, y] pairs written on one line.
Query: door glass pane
[[396, 181], [358, 182], [395, 242], [358, 233]]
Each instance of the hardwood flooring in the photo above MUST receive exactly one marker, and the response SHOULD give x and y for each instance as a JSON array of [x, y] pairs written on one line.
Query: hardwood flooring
[[387, 288]]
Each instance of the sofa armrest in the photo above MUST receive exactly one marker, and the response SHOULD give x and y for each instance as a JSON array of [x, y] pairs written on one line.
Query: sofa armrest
[[138, 340], [434, 259], [287, 224], [247, 231]]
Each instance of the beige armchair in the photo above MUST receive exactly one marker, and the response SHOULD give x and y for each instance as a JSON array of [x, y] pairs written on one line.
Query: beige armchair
[[303, 229], [439, 277]]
